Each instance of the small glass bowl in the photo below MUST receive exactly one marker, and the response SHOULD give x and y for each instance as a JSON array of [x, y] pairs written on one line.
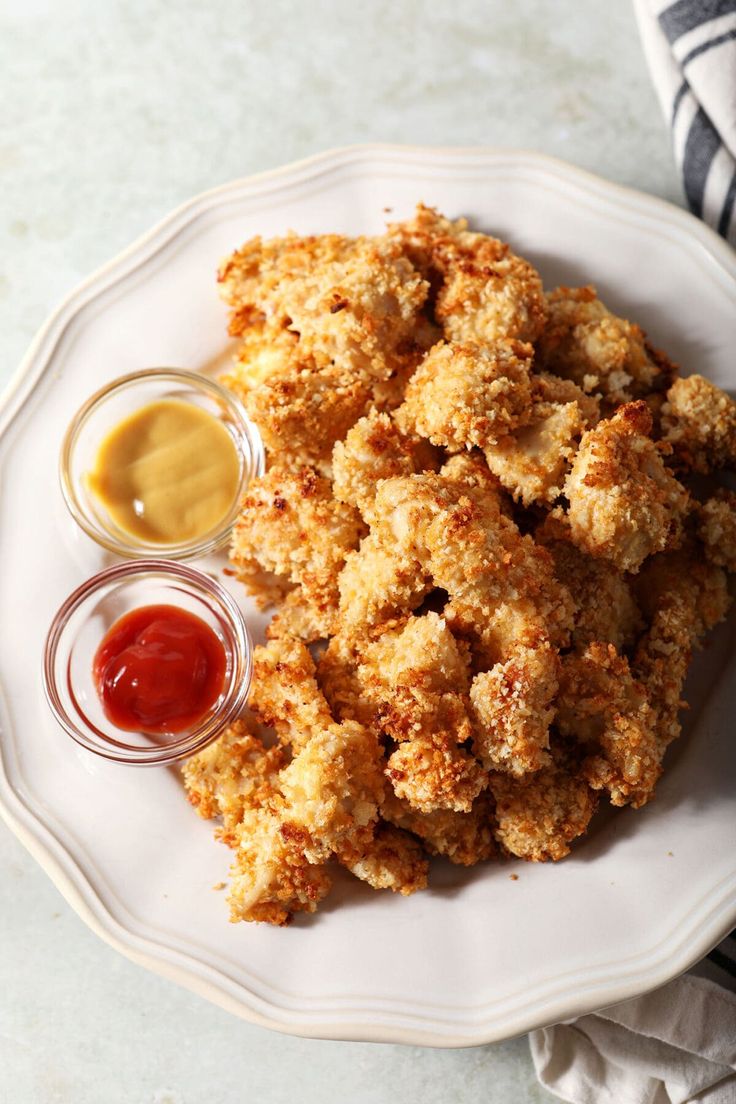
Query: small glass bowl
[[106, 409], [83, 620]]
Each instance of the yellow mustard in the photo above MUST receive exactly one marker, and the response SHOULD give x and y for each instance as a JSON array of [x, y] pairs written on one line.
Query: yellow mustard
[[168, 473]]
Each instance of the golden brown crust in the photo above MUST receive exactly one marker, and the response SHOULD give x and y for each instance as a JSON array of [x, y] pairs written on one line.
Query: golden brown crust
[[501, 589]]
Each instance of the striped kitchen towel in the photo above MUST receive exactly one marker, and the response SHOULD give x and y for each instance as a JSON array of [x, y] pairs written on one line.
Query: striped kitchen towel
[[691, 49]]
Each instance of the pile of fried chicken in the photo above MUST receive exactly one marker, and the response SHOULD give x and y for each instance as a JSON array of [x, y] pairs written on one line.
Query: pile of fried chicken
[[489, 567]]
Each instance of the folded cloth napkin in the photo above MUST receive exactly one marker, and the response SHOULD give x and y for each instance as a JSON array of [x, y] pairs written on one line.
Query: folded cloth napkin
[[691, 49], [676, 1045]]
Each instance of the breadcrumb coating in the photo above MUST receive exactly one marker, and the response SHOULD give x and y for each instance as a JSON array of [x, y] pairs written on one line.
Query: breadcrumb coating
[[483, 290], [513, 709], [465, 395], [602, 706], [682, 596], [605, 608], [234, 773], [717, 529], [417, 676], [501, 590], [375, 449], [271, 877], [624, 504], [333, 788], [392, 860], [431, 775], [284, 692], [316, 287], [540, 814], [532, 462], [584, 342], [292, 527], [463, 838], [699, 422]]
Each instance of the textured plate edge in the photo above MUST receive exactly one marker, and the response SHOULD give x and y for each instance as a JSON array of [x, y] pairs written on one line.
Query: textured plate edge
[[32, 368]]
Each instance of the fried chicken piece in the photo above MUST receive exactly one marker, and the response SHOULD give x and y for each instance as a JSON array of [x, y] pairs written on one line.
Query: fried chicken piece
[[431, 775], [624, 504], [381, 580], [584, 342], [502, 588], [271, 877], [540, 814], [531, 462], [375, 449], [465, 395], [296, 618], [717, 529], [483, 290], [332, 790], [463, 838], [234, 773], [602, 706], [337, 674], [302, 410], [284, 692], [605, 607], [699, 422], [682, 596], [264, 351], [513, 709], [416, 675], [391, 860], [291, 526], [469, 470], [352, 301]]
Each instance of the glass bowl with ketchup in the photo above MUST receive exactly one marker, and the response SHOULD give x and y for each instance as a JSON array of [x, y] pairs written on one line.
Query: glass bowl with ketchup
[[147, 662], [157, 462]]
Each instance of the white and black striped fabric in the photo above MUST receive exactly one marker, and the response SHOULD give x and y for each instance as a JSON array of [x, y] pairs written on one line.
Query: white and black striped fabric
[[691, 49]]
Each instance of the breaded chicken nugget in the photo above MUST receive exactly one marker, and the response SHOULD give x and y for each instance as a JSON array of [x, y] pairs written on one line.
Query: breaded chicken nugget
[[463, 838], [531, 462], [513, 709], [539, 815], [605, 607], [699, 422], [682, 596], [332, 790], [391, 860], [271, 877], [234, 773], [430, 774], [351, 300], [603, 707], [584, 342], [483, 290], [416, 674], [375, 449], [284, 692], [291, 525], [717, 529], [624, 504], [465, 395]]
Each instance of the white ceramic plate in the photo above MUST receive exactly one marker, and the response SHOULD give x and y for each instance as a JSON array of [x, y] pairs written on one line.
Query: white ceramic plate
[[479, 956]]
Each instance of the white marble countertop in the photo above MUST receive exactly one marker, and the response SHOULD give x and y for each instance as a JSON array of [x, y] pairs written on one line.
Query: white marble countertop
[[113, 113]]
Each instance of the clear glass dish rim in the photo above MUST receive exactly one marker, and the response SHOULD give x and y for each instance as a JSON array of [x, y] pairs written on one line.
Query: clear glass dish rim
[[187, 549], [193, 741]]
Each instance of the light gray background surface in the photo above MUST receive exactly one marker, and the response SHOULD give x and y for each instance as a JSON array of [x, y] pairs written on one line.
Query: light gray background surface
[[111, 113]]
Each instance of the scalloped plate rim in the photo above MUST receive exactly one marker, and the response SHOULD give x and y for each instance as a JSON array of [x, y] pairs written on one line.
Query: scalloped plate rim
[[705, 929]]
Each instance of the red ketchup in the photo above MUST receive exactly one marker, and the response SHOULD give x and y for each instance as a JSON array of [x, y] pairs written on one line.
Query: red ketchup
[[159, 669]]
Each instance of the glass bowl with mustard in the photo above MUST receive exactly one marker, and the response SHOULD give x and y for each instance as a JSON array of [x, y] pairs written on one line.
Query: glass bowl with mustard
[[157, 462], [147, 662]]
